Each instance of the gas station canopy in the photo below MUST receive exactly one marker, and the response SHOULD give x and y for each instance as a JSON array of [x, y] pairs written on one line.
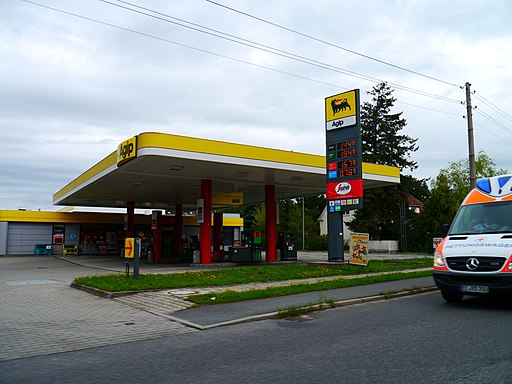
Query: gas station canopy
[[158, 170]]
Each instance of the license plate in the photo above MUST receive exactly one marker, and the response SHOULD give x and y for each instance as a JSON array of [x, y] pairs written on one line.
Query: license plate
[[475, 288]]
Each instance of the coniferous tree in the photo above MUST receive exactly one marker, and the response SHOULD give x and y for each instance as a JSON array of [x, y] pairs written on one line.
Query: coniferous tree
[[382, 143], [380, 131]]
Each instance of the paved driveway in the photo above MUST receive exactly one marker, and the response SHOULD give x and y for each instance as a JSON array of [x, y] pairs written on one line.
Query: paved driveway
[[41, 314]]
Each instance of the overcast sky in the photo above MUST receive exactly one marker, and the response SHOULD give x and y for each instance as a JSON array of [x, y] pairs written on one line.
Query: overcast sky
[[73, 88]]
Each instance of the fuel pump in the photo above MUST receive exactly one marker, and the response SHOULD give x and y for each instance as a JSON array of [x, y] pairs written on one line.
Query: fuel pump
[[286, 245], [257, 246], [244, 251]]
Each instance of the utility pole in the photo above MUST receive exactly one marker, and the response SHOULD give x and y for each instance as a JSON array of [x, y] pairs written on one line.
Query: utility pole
[[471, 141]]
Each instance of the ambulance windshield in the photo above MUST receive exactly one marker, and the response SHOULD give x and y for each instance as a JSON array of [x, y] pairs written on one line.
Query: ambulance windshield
[[495, 217]]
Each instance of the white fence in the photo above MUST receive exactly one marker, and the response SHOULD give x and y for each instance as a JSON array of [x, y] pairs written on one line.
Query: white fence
[[387, 246]]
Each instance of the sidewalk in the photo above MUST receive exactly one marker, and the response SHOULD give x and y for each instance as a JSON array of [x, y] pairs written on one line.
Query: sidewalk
[[211, 316]]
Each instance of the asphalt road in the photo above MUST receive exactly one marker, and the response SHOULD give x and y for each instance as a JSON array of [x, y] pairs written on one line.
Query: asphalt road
[[414, 339]]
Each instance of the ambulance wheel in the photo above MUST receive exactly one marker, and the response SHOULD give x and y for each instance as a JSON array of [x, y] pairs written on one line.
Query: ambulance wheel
[[452, 296]]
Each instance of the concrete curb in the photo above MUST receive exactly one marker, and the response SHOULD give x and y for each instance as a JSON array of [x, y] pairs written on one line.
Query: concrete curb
[[107, 294], [310, 308]]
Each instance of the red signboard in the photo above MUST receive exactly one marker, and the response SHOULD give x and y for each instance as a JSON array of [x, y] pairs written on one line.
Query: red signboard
[[348, 189]]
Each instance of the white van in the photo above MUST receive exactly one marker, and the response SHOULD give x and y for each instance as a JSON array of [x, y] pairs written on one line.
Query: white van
[[475, 257]]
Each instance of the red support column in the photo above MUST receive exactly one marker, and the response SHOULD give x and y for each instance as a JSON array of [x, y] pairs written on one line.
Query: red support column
[[217, 229], [178, 229], [270, 222], [130, 213], [205, 234], [156, 226]]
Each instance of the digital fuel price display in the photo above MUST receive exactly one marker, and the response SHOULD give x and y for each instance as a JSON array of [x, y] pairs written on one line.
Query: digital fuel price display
[[344, 159], [347, 168], [344, 174]]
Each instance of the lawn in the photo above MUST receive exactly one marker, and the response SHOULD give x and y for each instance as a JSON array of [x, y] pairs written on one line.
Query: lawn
[[229, 296], [243, 275]]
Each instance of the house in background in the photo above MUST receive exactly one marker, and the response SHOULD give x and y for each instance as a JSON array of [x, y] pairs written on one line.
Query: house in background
[[414, 205]]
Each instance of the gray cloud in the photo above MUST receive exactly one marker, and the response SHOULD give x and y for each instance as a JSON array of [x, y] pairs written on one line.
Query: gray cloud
[[73, 89]]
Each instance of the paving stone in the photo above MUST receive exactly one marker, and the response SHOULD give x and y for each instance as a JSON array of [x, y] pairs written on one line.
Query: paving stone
[[52, 318]]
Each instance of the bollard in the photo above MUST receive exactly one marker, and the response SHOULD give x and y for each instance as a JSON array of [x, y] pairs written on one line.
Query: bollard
[[136, 258]]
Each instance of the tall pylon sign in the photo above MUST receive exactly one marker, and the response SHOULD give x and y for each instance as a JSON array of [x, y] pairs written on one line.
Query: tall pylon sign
[[344, 186]]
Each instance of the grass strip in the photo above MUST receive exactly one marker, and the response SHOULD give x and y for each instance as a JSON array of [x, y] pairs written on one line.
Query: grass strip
[[296, 311], [230, 296], [243, 275]]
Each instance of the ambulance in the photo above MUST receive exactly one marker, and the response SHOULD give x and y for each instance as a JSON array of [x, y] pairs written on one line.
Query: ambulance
[[475, 257]]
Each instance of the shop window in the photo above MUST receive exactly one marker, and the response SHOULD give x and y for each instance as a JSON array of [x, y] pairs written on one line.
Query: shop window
[[58, 234]]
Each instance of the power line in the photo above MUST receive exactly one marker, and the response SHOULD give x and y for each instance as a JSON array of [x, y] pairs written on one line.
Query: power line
[[242, 41], [370, 58], [232, 39], [238, 40], [218, 54], [181, 44], [430, 109], [493, 120], [492, 106], [331, 44], [492, 133], [210, 52], [321, 65]]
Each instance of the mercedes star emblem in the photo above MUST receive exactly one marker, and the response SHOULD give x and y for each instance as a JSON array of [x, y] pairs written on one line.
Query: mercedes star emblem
[[472, 263]]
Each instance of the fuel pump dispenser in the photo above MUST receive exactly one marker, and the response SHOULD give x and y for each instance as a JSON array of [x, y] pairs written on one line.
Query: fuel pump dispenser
[[250, 249], [286, 246], [190, 247], [257, 246], [244, 251]]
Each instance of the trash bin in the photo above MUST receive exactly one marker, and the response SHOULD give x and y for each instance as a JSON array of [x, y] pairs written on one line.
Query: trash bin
[[70, 249], [43, 249], [196, 258]]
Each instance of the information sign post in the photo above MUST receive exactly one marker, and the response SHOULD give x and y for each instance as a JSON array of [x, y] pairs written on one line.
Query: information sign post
[[132, 250], [344, 185]]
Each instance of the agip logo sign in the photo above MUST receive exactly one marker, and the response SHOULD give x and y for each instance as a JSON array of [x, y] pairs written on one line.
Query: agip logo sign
[[127, 150], [341, 110]]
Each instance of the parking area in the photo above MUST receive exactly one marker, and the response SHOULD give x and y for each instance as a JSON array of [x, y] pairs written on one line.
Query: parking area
[[41, 314]]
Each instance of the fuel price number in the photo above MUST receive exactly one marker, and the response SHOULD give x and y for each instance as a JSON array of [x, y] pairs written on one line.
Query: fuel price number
[[344, 158], [347, 168]]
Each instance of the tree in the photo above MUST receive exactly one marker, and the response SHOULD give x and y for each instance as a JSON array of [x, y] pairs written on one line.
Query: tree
[[414, 187], [313, 208], [257, 221], [381, 141], [452, 184], [384, 144], [447, 191], [290, 219]]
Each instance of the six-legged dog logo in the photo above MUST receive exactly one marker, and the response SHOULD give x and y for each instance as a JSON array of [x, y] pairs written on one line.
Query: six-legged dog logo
[[342, 106]]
